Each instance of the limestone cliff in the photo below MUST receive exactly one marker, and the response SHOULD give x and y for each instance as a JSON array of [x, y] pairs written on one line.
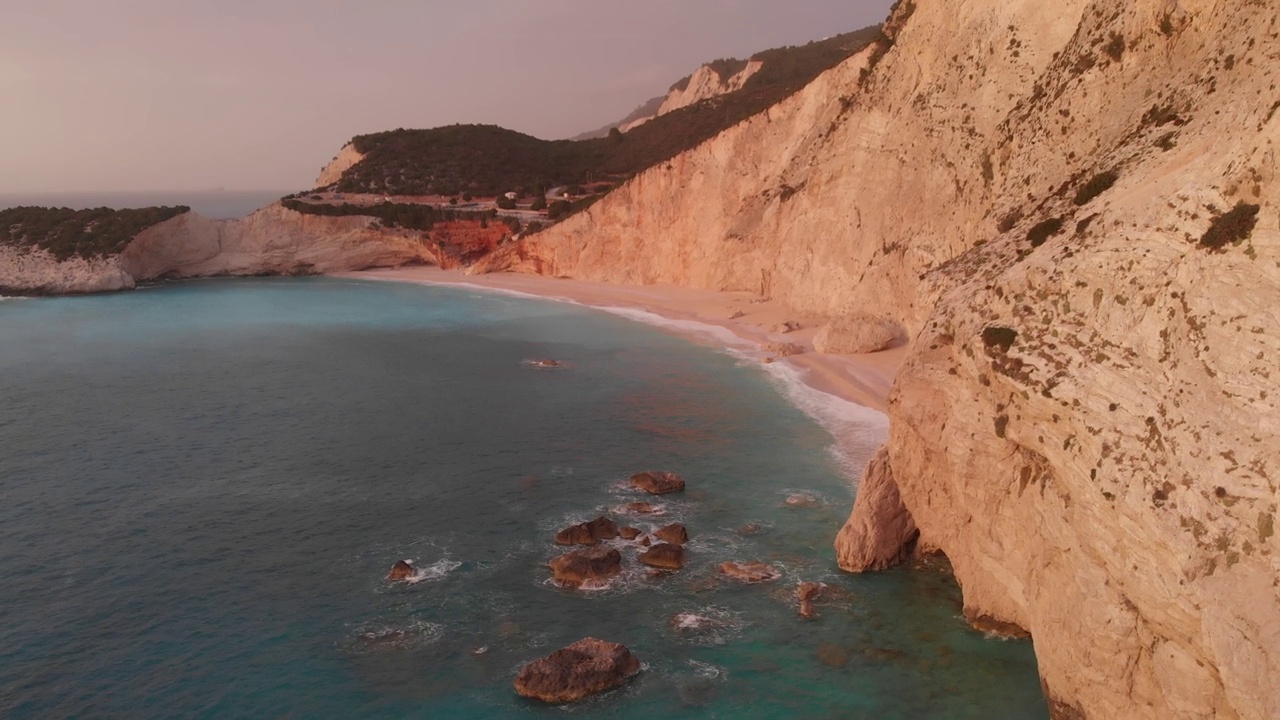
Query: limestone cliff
[[25, 271], [1073, 209], [704, 84], [340, 163], [271, 241]]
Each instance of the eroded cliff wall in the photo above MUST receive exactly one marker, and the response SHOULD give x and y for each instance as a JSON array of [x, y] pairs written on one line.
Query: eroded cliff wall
[[271, 241], [1087, 423]]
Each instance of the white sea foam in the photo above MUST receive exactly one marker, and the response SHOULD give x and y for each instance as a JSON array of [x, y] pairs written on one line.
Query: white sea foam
[[857, 429], [434, 571]]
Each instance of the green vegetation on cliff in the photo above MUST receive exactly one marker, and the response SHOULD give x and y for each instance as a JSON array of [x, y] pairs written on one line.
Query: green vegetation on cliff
[[487, 160], [68, 233], [410, 216]]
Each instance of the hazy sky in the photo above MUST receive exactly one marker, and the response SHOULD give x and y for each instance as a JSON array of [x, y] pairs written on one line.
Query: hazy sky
[[258, 94]]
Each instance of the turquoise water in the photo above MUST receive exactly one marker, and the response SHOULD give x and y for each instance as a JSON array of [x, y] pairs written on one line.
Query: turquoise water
[[205, 483]]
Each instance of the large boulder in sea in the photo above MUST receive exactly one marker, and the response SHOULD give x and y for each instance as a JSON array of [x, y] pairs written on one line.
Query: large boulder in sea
[[674, 533], [584, 668], [581, 566], [749, 572], [664, 556], [656, 482], [588, 533], [402, 570], [629, 533]]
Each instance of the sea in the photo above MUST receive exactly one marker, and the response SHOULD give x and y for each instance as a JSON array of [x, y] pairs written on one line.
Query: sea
[[205, 483], [216, 204]]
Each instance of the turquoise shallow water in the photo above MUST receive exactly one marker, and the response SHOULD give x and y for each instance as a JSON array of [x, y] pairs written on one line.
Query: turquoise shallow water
[[205, 483]]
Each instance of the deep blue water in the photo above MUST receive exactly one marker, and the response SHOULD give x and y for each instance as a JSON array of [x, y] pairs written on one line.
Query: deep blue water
[[204, 484], [217, 204]]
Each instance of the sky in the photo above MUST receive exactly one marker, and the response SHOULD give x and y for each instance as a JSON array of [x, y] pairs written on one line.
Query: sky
[[144, 95]]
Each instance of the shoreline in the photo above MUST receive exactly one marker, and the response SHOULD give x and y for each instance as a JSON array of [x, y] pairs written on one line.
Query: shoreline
[[737, 321]]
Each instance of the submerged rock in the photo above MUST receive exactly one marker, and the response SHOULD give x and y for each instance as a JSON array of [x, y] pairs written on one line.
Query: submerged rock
[[750, 572], [402, 570], [802, 499], [832, 655], [674, 533], [580, 566], [665, 556], [657, 482], [588, 533], [584, 668], [643, 508]]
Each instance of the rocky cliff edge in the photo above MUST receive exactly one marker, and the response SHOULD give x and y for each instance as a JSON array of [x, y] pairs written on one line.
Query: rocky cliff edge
[[1073, 210]]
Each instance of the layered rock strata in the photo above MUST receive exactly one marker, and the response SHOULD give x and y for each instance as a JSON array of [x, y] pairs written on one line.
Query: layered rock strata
[[1072, 210]]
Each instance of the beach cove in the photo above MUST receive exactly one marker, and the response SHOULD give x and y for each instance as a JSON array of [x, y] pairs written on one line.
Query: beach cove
[[227, 470]]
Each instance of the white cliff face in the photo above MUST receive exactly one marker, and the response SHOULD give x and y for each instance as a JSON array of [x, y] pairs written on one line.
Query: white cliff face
[[341, 163], [36, 272], [273, 240], [704, 84], [1087, 425]]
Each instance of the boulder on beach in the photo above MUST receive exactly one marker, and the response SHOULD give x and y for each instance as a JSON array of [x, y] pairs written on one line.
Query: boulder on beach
[[628, 532], [656, 482], [584, 668], [402, 570], [580, 566], [855, 334], [674, 533], [750, 572], [664, 556], [588, 533], [786, 349]]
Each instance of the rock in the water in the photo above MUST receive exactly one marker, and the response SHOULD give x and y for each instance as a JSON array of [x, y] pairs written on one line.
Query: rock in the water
[[657, 482], [643, 508], [664, 556], [832, 655], [807, 610], [802, 499], [588, 533], [751, 529], [855, 334], [628, 532], [646, 540], [674, 533], [880, 532], [809, 591], [402, 570], [751, 572], [584, 668], [576, 568]]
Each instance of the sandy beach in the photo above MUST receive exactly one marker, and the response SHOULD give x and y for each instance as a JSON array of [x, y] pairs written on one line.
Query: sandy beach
[[754, 322]]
